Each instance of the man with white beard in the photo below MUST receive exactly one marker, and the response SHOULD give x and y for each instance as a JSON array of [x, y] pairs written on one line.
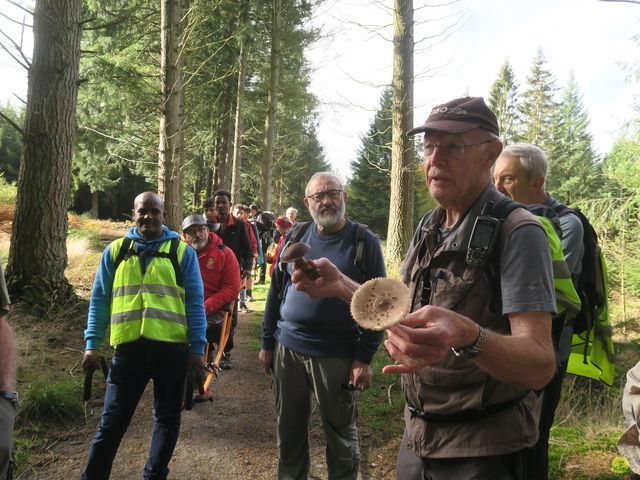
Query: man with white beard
[[220, 275], [314, 347]]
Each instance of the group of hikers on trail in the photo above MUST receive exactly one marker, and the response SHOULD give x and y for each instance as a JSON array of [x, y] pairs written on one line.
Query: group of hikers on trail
[[494, 274]]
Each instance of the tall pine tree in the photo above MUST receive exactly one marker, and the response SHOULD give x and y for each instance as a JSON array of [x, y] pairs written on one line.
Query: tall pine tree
[[368, 189], [538, 105], [503, 101], [574, 168]]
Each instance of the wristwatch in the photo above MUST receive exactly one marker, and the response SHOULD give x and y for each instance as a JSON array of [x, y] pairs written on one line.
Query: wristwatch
[[473, 350], [13, 397]]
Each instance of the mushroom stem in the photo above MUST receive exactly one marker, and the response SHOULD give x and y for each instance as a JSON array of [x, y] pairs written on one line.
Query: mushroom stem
[[306, 267]]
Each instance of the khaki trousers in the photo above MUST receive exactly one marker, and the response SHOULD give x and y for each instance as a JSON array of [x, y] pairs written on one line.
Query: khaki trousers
[[297, 378]]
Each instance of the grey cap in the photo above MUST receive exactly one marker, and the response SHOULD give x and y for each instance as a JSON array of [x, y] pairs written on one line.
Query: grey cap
[[191, 220]]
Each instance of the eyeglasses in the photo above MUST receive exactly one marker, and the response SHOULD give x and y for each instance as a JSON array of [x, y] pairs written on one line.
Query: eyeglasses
[[452, 149], [320, 196]]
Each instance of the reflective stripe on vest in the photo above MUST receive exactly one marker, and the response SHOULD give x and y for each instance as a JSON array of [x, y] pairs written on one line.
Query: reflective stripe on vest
[[567, 298], [152, 306], [592, 351]]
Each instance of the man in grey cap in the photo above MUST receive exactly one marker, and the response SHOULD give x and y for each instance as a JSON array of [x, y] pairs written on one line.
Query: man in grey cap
[[477, 343], [220, 275]]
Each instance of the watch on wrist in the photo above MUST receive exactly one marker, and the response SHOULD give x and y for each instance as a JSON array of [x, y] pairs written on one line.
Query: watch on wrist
[[473, 350]]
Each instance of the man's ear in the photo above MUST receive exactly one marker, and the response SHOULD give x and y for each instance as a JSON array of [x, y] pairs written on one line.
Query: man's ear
[[305, 200], [538, 182], [494, 150]]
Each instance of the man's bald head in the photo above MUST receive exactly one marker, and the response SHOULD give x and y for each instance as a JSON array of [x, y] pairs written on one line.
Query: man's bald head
[[148, 195], [148, 213]]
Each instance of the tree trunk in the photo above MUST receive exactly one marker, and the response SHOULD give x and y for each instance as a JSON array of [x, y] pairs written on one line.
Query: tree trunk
[[171, 116], [38, 255], [239, 124], [95, 204], [402, 150], [225, 135], [272, 107]]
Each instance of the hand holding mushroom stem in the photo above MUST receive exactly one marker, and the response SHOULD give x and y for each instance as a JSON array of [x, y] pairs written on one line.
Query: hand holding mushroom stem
[[295, 252]]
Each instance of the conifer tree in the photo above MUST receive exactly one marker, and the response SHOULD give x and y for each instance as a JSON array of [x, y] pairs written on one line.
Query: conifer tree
[[574, 170], [538, 105], [503, 101]]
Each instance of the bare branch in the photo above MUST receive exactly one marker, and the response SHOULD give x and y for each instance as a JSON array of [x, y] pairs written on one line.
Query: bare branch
[[15, 4], [18, 48], [15, 21], [17, 60], [12, 123]]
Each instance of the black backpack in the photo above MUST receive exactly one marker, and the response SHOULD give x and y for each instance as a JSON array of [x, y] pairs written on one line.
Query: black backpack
[[591, 286], [266, 223]]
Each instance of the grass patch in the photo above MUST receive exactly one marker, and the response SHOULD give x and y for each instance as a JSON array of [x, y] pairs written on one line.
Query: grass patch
[[254, 320], [8, 191], [49, 401]]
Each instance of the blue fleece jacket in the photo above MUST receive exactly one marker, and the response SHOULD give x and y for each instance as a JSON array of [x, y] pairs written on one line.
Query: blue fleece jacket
[[323, 327], [100, 305]]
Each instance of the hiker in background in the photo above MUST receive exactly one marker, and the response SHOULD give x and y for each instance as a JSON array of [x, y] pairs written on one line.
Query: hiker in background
[[265, 224], [247, 280], [220, 277], [8, 393], [259, 259], [473, 351], [291, 214], [234, 234], [157, 335], [283, 226], [520, 173], [314, 347]]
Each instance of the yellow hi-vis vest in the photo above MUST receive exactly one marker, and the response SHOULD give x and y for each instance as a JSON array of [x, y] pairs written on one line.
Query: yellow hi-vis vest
[[150, 305], [567, 298]]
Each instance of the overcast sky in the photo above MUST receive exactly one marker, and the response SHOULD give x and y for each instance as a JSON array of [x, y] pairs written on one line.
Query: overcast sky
[[353, 60], [352, 63]]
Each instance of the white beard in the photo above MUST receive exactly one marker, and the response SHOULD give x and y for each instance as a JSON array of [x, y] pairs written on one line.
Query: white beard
[[329, 217]]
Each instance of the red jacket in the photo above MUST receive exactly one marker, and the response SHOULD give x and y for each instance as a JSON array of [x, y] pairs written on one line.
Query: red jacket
[[276, 254], [220, 274]]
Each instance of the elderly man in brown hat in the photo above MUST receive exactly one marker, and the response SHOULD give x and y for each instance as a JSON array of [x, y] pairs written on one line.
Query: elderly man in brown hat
[[477, 343]]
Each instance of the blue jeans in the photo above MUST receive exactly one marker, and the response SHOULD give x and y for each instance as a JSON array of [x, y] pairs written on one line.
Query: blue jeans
[[132, 366]]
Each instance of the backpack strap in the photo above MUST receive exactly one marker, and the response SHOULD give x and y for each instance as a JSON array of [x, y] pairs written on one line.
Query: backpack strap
[[173, 257], [360, 260], [124, 253]]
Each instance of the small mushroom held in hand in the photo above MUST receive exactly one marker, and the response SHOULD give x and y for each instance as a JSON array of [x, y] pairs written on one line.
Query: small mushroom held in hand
[[380, 303], [295, 252]]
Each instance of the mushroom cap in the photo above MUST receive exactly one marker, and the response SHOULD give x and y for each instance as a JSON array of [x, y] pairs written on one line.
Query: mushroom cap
[[380, 303], [294, 251]]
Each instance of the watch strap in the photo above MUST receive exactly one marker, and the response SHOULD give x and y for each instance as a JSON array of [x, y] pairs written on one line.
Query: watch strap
[[473, 350]]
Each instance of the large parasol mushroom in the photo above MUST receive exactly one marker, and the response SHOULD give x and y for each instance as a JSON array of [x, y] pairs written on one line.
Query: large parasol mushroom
[[380, 303]]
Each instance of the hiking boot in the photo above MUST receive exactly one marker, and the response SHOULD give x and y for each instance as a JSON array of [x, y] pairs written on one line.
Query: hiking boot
[[225, 362], [244, 308]]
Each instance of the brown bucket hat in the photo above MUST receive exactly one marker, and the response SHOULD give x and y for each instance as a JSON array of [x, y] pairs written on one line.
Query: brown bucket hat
[[458, 116]]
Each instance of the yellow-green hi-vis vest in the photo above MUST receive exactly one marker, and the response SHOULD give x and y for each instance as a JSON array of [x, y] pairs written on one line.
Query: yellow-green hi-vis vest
[[150, 305], [567, 298]]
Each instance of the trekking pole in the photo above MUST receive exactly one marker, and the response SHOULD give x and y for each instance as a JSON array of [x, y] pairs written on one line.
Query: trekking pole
[[88, 378]]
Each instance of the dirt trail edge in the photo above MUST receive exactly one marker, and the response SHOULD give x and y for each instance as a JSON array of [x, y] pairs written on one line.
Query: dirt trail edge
[[231, 438]]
